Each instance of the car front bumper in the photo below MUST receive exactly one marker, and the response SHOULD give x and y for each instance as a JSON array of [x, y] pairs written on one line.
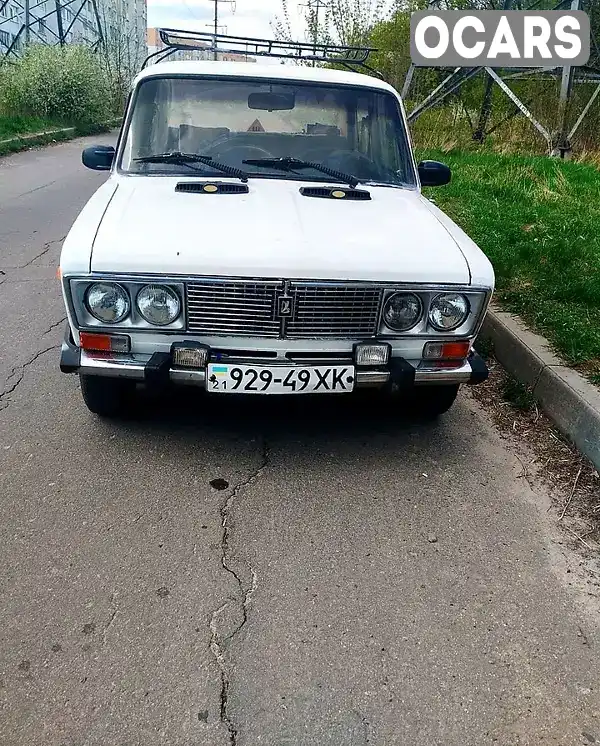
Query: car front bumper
[[158, 369]]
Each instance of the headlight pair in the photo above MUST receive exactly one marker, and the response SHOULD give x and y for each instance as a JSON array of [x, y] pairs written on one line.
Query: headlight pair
[[109, 303], [447, 311]]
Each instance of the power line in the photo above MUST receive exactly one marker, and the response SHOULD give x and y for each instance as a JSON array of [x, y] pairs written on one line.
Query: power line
[[216, 23]]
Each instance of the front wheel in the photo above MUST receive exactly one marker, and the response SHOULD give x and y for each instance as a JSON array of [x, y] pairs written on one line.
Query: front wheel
[[106, 397], [432, 401]]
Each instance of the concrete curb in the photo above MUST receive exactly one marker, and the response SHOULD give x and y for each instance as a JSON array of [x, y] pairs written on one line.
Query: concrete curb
[[25, 140], [568, 399], [21, 142]]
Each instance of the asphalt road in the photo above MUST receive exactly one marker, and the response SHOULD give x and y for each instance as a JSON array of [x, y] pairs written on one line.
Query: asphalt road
[[378, 581]]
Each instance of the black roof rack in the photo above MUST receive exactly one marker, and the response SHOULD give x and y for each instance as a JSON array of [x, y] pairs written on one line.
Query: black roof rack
[[184, 40]]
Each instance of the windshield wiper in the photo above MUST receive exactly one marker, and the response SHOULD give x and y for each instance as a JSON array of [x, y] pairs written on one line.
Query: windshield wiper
[[291, 164], [186, 159]]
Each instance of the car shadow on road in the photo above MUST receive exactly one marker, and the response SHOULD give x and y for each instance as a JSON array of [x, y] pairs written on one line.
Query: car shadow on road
[[335, 417]]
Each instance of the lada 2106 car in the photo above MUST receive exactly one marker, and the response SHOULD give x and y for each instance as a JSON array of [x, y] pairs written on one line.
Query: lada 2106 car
[[262, 231]]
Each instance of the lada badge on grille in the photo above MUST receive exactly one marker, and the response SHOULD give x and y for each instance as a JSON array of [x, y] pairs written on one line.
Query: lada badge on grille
[[285, 306]]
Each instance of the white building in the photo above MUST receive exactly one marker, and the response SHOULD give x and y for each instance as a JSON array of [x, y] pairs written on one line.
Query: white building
[[124, 31]]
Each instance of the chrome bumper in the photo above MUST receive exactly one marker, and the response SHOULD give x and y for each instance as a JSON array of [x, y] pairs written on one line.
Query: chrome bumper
[[157, 369], [134, 367]]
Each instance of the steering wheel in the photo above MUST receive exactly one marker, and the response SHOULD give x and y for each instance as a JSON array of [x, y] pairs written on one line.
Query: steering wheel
[[238, 153], [317, 155], [346, 160]]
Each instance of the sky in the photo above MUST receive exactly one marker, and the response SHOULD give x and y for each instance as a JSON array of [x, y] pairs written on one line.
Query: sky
[[239, 18]]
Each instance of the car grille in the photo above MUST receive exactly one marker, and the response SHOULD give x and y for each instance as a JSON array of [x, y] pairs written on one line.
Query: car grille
[[249, 309], [333, 311], [241, 309]]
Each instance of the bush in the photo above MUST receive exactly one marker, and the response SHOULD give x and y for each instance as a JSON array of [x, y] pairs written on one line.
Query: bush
[[65, 84]]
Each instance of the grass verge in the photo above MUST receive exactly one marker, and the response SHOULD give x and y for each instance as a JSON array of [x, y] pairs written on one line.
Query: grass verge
[[15, 126], [537, 220]]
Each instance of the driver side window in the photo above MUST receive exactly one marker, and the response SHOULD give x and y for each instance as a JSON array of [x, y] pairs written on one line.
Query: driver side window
[[377, 137]]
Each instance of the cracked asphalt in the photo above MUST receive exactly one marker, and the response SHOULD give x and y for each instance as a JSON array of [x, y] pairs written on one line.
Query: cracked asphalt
[[262, 572]]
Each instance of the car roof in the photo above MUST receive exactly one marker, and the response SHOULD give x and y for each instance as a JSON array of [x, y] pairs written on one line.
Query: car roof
[[212, 68]]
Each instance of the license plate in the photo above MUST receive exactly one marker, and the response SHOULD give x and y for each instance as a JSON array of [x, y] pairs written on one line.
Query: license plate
[[280, 379]]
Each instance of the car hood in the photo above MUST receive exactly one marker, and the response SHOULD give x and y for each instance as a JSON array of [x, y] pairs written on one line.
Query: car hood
[[274, 231]]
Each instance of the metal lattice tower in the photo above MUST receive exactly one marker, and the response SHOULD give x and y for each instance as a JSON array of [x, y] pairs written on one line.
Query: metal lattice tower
[[559, 137], [49, 22]]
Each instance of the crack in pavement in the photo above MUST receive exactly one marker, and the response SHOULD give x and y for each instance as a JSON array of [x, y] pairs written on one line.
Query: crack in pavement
[[367, 728], [35, 189], [113, 616], [217, 641], [19, 373], [45, 250], [53, 326]]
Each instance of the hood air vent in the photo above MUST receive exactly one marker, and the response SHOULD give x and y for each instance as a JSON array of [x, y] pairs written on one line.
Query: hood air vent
[[336, 193], [211, 187]]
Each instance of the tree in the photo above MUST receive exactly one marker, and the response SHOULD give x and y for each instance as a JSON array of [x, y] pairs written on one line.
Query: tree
[[345, 22]]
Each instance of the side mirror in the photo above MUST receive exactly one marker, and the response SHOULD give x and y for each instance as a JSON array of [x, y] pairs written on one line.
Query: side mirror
[[98, 157], [434, 173]]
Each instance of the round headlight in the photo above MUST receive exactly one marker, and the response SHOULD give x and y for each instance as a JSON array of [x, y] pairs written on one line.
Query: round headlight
[[107, 302], [402, 311], [158, 304], [448, 311]]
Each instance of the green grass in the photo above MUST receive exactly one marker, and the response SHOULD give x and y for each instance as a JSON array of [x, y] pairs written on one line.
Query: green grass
[[538, 220], [519, 395], [15, 126]]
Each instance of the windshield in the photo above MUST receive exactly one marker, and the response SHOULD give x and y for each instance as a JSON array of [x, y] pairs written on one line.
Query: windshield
[[358, 131]]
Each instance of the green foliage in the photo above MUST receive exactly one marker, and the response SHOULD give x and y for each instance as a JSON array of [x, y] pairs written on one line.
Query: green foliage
[[12, 126], [537, 220], [335, 21], [519, 395], [392, 39], [64, 84], [350, 21], [457, 117], [484, 346]]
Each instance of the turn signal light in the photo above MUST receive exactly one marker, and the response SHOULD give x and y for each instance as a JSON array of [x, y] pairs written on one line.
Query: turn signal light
[[446, 350], [104, 342]]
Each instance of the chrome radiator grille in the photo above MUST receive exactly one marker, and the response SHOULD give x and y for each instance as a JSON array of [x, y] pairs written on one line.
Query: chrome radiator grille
[[333, 310], [240, 309], [253, 309]]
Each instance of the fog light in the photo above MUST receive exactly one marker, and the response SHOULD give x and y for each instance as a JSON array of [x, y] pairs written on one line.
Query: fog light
[[446, 350], [104, 342], [190, 354], [366, 353]]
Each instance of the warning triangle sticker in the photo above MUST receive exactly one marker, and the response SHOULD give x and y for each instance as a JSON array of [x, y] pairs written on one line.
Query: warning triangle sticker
[[256, 126]]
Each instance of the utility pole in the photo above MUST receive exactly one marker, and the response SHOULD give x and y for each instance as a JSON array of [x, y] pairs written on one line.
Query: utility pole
[[27, 23], [216, 25], [314, 6], [216, 30]]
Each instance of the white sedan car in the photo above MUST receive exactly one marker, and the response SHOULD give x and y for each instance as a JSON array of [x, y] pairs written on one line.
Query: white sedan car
[[262, 231]]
